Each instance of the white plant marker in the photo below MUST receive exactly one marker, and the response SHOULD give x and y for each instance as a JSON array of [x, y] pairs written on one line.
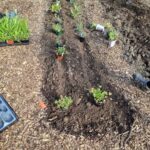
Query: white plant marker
[[100, 28], [112, 43]]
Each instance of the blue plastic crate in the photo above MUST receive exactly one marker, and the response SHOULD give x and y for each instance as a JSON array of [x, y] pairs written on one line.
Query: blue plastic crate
[[7, 115]]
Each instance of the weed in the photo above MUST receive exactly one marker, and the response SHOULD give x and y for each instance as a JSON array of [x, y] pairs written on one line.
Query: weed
[[64, 102], [99, 95]]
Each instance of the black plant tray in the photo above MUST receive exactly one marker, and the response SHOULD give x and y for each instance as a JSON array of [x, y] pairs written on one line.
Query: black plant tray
[[3, 44]]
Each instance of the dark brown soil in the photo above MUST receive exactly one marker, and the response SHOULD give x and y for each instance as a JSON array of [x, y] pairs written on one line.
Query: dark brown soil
[[73, 77], [133, 22]]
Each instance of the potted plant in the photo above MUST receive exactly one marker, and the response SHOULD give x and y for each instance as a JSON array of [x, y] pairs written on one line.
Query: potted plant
[[58, 42], [56, 7], [57, 28], [64, 102], [80, 31], [99, 96], [60, 51], [13, 30], [112, 36]]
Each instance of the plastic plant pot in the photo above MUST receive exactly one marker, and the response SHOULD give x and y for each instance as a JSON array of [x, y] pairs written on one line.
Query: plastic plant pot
[[140, 80], [3, 44], [25, 42], [11, 14], [112, 43], [59, 57], [10, 42], [100, 28]]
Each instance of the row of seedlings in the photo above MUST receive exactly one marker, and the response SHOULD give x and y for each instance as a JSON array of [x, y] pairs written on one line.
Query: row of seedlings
[[75, 13], [57, 28]]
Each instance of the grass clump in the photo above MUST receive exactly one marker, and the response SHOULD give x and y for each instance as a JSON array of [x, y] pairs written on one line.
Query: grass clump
[[64, 103]]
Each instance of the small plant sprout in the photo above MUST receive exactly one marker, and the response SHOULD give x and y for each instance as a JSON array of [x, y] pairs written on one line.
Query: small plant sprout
[[58, 19], [57, 28], [75, 11], [112, 34], [99, 95], [56, 7], [92, 26], [64, 103], [80, 31], [58, 42], [61, 50]]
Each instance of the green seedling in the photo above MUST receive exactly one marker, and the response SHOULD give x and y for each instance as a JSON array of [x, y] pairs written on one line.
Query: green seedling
[[92, 26], [80, 30], [61, 50], [57, 28], [99, 95], [59, 42], [75, 11], [15, 29], [56, 7], [112, 34], [72, 1], [64, 103]]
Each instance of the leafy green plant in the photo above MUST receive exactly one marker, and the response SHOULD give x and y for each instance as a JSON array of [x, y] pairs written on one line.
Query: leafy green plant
[[56, 7], [15, 29], [61, 50], [99, 95], [92, 26], [112, 33], [75, 11], [80, 30], [58, 42], [57, 28], [64, 102]]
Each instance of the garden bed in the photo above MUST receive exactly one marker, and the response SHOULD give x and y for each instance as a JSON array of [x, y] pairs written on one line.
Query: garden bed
[[75, 76]]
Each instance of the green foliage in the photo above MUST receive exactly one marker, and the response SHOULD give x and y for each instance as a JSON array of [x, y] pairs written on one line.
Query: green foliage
[[59, 42], [61, 50], [92, 26], [99, 94], [80, 30], [56, 7], [57, 28], [75, 11], [13, 29], [64, 102], [72, 1], [112, 34]]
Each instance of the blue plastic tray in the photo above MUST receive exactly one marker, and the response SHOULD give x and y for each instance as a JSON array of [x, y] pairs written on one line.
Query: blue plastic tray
[[7, 115]]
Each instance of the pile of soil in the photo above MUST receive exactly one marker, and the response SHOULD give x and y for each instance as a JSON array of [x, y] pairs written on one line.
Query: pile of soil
[[79, 72]]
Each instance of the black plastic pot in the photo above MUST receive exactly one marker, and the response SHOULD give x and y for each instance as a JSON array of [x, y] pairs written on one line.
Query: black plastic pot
[[141, 81], [25, 42], [81, 39], [3, 44], [2, 15]]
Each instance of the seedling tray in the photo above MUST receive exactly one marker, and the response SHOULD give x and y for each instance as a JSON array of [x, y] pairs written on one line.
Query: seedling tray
[[3, 44], [7, 115]]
